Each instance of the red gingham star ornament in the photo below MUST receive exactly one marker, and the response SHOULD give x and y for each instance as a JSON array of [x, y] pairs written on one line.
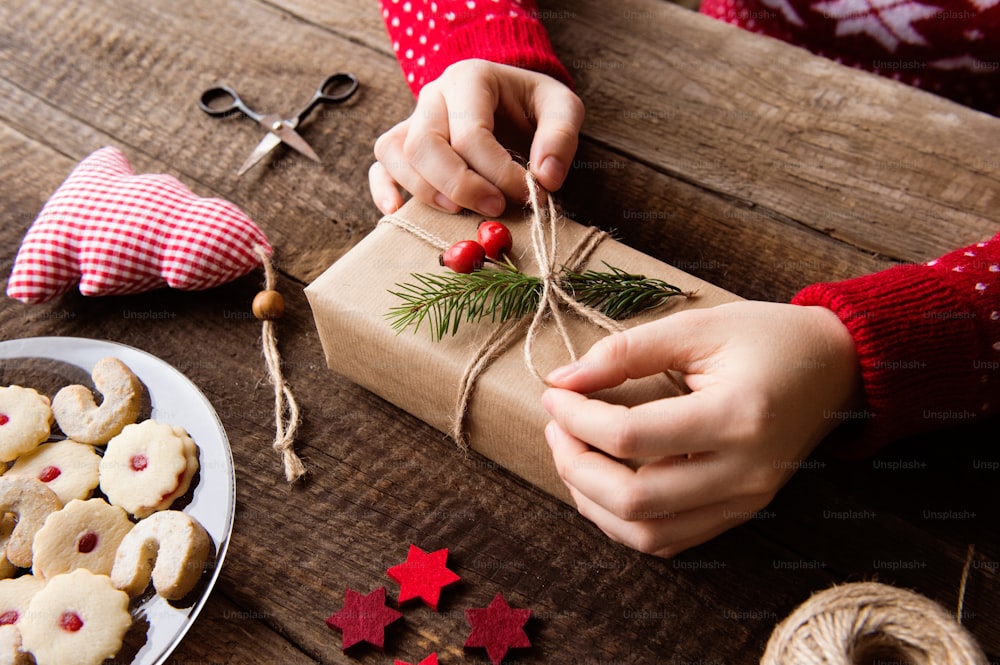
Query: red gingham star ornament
[[497, 627], [116, 233], [364, 618], [422, 576]]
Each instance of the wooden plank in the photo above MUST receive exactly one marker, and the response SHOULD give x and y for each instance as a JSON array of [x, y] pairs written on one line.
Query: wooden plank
[[763, 122]]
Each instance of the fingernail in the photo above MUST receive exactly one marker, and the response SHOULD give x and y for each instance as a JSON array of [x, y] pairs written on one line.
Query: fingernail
[[445, 203], [550, 433], [552, 169], [561, 374], [490, 205]]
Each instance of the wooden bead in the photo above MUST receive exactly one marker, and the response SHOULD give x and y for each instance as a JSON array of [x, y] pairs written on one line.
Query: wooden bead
[[268, 305]]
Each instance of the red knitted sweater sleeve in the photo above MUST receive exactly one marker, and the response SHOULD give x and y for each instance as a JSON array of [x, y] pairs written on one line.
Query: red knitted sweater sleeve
[[428, 36], [928, 340]]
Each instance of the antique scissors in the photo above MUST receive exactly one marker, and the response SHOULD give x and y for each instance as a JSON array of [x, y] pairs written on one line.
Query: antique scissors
[[223, 101]]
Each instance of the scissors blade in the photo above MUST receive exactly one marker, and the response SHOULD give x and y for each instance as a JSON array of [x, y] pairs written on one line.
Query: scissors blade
[[267, 144], [279, 131]]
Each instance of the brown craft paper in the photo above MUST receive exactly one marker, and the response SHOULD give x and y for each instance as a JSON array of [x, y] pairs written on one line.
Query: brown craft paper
[[506, 420]]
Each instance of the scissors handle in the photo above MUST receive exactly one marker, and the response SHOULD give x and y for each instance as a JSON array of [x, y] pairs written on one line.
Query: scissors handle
[[222, 101], [335, 89]]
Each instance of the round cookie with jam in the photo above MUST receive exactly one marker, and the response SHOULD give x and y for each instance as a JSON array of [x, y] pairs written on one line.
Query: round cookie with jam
[[15, 597], [147, 467], [77, 619], [25, 421], [68, 468], [84, 534]]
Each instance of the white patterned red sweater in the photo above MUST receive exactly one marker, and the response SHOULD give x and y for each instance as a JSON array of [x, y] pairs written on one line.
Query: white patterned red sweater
[[927, 336]]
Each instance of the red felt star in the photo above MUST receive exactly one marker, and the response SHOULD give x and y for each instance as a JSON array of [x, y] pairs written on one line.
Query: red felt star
[[363, 618], [422, 576], [429, 660], [497, 628]]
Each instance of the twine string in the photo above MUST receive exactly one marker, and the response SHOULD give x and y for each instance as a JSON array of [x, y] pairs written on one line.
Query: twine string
[[286, 409], [865, 622]]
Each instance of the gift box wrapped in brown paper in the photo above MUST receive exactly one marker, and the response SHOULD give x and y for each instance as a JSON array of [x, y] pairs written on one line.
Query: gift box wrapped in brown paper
[[505, 419]]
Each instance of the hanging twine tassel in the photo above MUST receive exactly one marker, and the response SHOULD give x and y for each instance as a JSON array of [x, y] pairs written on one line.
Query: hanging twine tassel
[[268, 305]]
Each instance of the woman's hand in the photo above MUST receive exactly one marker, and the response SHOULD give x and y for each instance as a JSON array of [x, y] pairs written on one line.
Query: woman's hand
[[768, 381], [447, 153]]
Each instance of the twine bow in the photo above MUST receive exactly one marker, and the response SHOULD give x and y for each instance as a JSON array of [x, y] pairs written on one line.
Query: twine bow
[[544, 226]]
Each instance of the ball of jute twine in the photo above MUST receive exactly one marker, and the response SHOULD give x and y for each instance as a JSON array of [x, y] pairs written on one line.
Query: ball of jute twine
[[868, 622]]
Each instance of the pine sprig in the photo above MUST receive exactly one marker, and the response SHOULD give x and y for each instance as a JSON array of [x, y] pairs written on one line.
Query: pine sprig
[[618, 294], [444, 300]]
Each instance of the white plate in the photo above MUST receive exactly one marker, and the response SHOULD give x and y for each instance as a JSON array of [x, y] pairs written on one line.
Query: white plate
[[175, 400]]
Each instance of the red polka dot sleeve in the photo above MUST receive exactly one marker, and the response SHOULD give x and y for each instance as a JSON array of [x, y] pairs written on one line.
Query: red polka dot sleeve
[[428, 36], [928, 340]]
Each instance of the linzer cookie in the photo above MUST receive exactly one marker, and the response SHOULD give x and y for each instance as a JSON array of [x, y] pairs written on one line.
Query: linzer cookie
[[68, 468], [25, 421], [147, 467], [84, 534], [78, 618]]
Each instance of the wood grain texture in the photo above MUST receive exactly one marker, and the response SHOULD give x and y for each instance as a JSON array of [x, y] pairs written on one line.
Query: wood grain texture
[[741, 160]]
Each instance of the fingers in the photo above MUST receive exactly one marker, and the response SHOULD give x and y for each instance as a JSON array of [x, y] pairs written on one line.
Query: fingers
[[679, 425], [674, 484], [559, 115], [447, 154], [384, 190], [663, 526], [677, 342], [450, 144]]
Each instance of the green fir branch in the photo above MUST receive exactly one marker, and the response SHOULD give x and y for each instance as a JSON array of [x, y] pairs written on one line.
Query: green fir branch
[[445, 300], [618, 294]]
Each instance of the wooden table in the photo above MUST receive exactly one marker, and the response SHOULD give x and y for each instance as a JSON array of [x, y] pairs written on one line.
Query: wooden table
[[744, 161]]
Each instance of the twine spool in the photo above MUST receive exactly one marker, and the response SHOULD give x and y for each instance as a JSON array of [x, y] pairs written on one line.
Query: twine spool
[[865, 623]]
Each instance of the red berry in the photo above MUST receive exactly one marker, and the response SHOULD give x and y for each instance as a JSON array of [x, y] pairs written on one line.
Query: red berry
[[464, 256], [49, 474], [70, 622], [495, 239], [8, 617], [87, 543], [138, 462], [4, 419]]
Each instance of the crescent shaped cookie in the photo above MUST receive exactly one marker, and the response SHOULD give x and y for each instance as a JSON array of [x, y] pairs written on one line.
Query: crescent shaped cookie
[[32, 502], [76, 619], [178, 545], [25, 421], [84, 534], [82, 420]]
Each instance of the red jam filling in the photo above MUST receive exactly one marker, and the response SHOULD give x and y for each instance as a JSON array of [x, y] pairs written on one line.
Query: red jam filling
[[138, 462], [87, 543], [4, 419], [49, 474], [8, 617], [70, 622]]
